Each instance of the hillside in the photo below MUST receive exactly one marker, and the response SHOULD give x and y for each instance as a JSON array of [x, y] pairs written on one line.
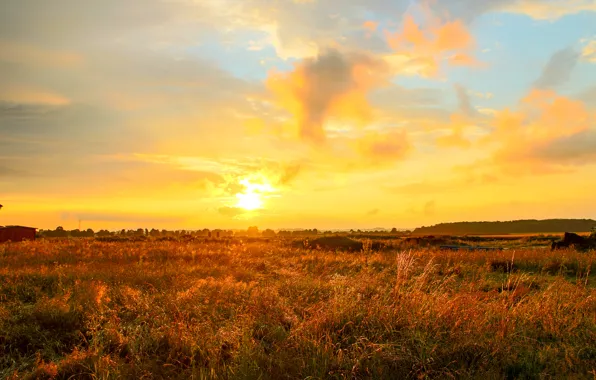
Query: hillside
[[508, 227]]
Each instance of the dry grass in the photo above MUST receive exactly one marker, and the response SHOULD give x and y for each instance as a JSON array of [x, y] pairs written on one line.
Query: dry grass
[[85, 309]]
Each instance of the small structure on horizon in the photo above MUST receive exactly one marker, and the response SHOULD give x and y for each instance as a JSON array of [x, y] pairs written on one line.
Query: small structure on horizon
[[16, 233]]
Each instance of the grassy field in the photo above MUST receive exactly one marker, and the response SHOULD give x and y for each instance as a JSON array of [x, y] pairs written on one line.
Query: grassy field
[[267, 310]]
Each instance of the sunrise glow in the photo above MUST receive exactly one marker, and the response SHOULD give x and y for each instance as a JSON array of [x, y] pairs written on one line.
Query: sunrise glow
[[285, 114], [298, 189], [254, 193]]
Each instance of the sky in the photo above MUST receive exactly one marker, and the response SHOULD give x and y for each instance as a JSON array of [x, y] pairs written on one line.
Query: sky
[[191, 114]]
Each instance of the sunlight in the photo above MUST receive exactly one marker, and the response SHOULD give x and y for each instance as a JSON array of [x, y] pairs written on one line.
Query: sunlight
[[255, 190], [249, 201]]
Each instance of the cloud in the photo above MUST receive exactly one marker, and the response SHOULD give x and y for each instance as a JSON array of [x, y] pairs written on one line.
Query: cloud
[[60, 117], [392, 96], [465, 106], [386, 147], [588, 96], [305, 30], [430, 208], [439, 187], [334, 84], [547, 10], [558, 68], [551, 10], [418, 188], [370, 27], [576, 149], [84, 84], [224, 174], [289, 173], [27, 95], [422, 48], [589, 51], [231, 211], [539, 137], [7, 172], [455, 139], [71, 22], [26, 54], [119, 217], [466, 116], [373, 212]]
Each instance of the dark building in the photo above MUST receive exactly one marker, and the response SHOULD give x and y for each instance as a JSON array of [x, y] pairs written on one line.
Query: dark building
[[16, 233]]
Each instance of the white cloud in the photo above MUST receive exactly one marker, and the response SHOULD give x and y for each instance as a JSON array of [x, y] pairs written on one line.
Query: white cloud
[[549, 9], [589, 51]]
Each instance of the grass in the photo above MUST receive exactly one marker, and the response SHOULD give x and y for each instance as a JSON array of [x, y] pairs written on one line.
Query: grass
[[268, 310]]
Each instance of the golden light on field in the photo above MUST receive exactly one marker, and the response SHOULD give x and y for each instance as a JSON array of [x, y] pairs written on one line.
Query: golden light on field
[[256, 189]]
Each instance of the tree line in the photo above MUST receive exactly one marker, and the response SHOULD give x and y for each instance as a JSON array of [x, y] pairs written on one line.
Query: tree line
[[509, 227], [252, 231]]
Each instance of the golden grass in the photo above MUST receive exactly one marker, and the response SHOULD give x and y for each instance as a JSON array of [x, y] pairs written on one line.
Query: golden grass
[[86, 309]]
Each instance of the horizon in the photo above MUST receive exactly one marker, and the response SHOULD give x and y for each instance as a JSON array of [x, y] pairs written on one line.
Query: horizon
[[278, 229], [333, 114]]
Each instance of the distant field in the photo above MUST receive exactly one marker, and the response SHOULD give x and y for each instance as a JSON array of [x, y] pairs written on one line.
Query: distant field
[[558, 234], [267, 310], [512, 235]]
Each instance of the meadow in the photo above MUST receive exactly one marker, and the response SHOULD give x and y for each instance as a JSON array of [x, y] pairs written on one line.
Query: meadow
[[81, 308]]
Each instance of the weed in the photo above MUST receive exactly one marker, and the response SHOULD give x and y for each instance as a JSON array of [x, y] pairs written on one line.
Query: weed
[[272, 310]]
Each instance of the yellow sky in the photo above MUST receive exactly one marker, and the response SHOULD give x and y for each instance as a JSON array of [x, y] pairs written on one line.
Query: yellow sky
[[332, 114]]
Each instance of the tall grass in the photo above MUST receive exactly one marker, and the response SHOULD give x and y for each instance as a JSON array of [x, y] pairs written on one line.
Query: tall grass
[[86, 309]]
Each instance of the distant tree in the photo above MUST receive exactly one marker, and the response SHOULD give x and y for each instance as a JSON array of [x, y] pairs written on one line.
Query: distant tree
[[508, 227], [268, 233], [60, 232], [253, 231], [394, 230]]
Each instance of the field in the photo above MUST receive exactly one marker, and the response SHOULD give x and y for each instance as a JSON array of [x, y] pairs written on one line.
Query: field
[[81, 308]]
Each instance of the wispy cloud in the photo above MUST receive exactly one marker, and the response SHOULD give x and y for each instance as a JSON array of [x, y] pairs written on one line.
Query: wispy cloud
[[548, 10], [422, 48], [558, 69], [141, 219], [589, 51], [334, 84]]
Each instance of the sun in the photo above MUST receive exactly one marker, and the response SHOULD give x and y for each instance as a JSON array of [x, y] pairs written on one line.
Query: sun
[[249, 201], [254, 193]]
